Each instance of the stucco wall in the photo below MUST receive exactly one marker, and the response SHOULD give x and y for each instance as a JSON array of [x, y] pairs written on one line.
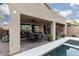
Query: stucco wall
[[37, 10], [73, 30]]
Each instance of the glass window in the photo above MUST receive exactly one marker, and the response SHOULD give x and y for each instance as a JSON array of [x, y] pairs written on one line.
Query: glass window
[[47, 30], [25, 27], [36, 28]]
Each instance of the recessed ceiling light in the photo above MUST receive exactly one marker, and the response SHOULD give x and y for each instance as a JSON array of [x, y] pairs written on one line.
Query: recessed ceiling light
[[14, 12]]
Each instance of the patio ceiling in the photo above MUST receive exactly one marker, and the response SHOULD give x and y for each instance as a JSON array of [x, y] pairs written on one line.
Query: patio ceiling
[[29, 19]]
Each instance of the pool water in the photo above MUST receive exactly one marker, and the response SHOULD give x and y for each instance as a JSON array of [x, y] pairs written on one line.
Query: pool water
[[73, 42], [63, 51], [72, 52]]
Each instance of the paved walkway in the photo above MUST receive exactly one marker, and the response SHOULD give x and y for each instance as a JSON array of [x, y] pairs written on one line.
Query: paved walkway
[[4, 48]]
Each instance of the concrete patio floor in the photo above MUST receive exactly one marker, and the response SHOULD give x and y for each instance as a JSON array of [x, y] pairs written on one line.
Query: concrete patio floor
[[4, 46], [29, 45]]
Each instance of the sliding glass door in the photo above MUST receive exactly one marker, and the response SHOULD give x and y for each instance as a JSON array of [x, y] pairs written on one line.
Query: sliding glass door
[[24, 28]]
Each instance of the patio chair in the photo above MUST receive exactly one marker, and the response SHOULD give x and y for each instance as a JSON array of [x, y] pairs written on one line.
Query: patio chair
[[27, 35], [45, 38], [31, 37], [23, 35], [6, 37], [40, 36]]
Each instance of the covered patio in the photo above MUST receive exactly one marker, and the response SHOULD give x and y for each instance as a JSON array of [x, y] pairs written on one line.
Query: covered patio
[[38, 28], [40, 25]]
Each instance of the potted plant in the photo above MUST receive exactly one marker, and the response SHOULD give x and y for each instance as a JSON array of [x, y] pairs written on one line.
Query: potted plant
[[50, 38], [63, 35]]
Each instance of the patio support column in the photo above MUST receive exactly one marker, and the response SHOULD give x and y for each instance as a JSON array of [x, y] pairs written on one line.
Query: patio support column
[[14, 43], [65, 29], [53, 30]]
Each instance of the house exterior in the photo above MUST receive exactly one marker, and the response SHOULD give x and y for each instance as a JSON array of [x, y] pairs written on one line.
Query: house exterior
[[40, 12]]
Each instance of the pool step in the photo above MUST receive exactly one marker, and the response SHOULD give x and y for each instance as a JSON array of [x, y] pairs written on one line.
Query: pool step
[[72, 46]]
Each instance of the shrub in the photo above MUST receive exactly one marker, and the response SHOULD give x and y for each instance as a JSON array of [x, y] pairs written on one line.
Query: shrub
[[73, 36], [63, 35]]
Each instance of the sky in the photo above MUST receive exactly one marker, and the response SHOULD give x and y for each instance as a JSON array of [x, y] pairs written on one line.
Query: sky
[[67, 10], [4, 14]]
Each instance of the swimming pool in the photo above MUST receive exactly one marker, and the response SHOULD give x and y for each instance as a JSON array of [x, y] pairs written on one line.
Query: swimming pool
[[68, 46], [63, 51]]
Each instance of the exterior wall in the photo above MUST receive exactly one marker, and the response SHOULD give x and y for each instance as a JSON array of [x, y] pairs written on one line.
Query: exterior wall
[[38, 10], [73, 30]]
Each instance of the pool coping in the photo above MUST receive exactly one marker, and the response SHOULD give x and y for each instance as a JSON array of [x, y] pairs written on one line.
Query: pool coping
[[43, 49]]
